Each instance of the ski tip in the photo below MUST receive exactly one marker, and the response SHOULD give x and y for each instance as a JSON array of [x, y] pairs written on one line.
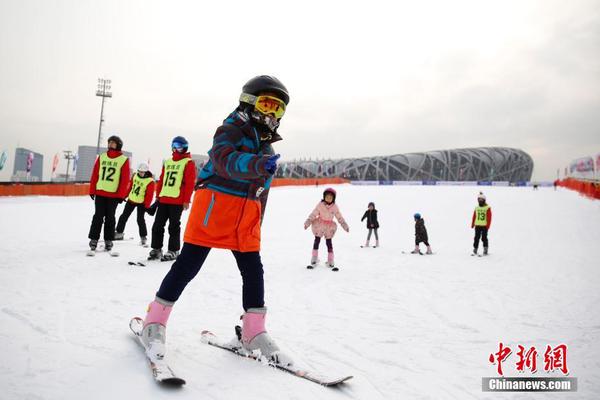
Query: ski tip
[[136, 325], [137, 263], [207, 337], [337, 381], [172, 382]]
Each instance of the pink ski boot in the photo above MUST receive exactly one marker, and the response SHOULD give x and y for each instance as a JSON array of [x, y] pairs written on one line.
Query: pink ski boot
[[255, 337], [154, 334], [330, 261], [314, 258]]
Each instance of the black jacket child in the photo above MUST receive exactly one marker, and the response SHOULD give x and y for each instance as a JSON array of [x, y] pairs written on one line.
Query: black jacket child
[[420, 231], [371, 216]]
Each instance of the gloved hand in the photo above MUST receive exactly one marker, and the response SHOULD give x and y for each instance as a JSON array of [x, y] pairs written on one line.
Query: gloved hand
[[93, 196], [307, 224], [345, 227], [152, 209], [271, 164]]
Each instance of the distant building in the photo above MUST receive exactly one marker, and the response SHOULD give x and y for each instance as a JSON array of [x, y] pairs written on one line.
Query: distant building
[[477, 164], [36, 174], [62, 177], [585, 168], [86, 159]]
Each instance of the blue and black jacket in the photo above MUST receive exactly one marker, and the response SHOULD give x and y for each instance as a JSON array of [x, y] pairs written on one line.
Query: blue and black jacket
[[237, 159]]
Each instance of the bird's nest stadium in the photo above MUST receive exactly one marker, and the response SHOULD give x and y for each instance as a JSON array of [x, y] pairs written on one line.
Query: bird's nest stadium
[[473, 164]]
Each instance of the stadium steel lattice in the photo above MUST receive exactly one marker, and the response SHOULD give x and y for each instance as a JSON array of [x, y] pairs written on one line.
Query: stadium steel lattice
[[476, 164]]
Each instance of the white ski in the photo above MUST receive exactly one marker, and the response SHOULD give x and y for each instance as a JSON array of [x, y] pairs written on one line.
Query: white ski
[[236, 348], [161, 372]]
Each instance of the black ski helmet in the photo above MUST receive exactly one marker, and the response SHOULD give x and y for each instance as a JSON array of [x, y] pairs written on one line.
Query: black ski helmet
[[266, 83], [117, 140]]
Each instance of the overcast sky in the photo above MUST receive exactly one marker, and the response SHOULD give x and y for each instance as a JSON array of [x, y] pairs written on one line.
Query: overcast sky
[[365, 78]]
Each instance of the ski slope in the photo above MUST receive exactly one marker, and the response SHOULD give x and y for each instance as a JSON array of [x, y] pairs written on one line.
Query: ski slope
[[406, 326]]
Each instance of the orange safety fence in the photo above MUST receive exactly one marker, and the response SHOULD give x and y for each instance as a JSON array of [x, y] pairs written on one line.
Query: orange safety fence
[[45, 189], [82, 189], [586, 188]]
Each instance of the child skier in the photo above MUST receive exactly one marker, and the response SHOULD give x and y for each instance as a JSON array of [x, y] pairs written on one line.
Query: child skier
[[108, 188], [141, 194], [372, 223], [322, 223], [174, 191], [420, 235], [481, 221], [227, 212]]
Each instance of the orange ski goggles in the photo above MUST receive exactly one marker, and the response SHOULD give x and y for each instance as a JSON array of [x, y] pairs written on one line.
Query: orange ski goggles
[[268, 105]]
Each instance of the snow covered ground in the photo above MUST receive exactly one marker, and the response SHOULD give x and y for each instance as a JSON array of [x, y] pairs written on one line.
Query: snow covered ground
[[406, 326]]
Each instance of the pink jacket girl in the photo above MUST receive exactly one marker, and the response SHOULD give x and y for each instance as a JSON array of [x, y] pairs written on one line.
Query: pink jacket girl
[[323, 224]]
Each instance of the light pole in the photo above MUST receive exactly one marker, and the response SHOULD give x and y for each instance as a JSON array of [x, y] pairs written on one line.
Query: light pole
[[68, 156], [104, 92]]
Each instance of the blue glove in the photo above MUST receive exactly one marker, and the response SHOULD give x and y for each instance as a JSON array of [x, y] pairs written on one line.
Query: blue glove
[[271, 164]]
